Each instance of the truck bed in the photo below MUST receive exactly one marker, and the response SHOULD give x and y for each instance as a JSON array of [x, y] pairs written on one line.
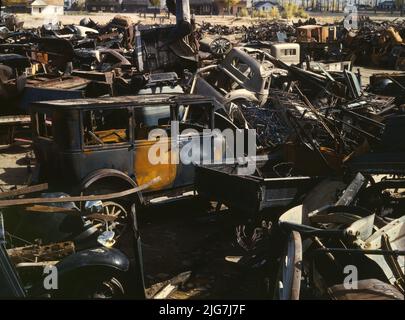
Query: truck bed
[[272, 185]]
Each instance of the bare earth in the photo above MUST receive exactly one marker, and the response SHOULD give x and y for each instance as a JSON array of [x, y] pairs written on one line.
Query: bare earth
[[13, 166]]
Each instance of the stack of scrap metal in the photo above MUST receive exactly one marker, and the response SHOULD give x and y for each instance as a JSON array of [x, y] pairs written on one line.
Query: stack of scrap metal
[[377, 44]]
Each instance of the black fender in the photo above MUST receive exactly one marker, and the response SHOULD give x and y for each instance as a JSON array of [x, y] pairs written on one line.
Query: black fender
[[82, 268], [104, 174], [103, 257]]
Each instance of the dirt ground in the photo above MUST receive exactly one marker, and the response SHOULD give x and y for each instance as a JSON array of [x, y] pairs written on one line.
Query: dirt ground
[[13, 166], [186, 237]]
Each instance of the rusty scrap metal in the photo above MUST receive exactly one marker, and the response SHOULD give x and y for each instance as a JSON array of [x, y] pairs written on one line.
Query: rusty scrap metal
[[15, 202], [25, 190], [41, 253]]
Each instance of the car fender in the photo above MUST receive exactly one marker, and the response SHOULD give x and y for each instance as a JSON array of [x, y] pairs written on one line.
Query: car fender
[[98, 175], [96, 257]]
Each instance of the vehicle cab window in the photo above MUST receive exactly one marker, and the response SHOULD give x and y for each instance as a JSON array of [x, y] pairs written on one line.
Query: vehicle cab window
[[153, 117], [105, 126], [198, 117], [289, 52], [242, 67]]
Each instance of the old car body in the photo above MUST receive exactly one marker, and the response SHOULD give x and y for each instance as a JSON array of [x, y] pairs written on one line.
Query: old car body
[[12, 75], [81, 141], [107, 266], [10, 283], [240, 76], [268, 187], [289, 53], [372, 244], [318, 42], [315, 33]]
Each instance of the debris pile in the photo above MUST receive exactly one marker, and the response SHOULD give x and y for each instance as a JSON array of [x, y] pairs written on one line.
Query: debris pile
[[377, 44], [326, 190]]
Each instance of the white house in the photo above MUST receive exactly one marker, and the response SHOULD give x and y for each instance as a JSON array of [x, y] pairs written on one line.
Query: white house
[[265, 5], [47, 7]]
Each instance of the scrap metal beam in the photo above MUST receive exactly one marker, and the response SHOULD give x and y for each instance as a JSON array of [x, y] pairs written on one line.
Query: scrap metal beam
[[21, 191]]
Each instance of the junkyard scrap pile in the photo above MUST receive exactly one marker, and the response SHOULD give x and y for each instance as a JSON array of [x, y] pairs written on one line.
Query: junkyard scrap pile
[[327, 188]]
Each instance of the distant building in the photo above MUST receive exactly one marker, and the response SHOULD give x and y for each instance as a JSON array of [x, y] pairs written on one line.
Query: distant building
[[387, 5], [104, 5], [265, 5], [221, 7], [196, 6], [135, 5], [202, 6], [15, 6], [47, 7]]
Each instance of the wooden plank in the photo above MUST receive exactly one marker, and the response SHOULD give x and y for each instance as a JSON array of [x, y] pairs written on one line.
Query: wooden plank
[[29, 189], [101, 216], [50, 209], [23, 140], [165, 292], [15, 119], [16, 202], [163, 289], [36, 264]]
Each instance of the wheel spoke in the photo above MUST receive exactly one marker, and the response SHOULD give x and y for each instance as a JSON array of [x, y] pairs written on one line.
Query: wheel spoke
[[114, 210]]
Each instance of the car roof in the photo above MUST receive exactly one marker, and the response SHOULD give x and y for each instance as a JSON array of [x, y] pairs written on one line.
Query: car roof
[[122, 101]]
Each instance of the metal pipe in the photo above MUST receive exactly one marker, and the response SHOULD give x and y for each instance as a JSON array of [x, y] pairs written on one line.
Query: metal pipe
[[361, 251], [183, 11]]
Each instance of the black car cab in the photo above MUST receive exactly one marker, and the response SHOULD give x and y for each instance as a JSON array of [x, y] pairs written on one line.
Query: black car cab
[[104, 143]]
